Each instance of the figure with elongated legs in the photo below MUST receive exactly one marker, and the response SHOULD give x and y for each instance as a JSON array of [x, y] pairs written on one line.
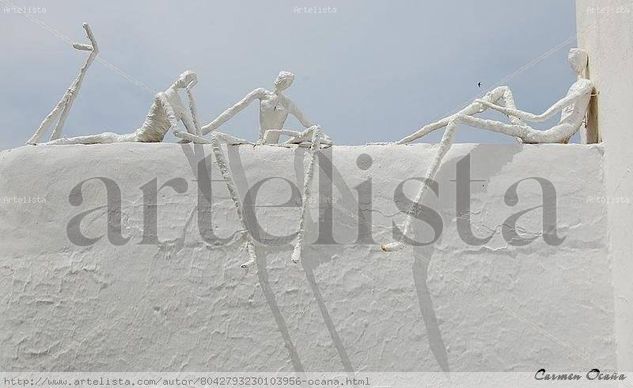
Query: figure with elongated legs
[[573, 108], [223, 165], [224, 170], [165, 113], [61, 110], [299, 137], [307, 191], [274, 108]]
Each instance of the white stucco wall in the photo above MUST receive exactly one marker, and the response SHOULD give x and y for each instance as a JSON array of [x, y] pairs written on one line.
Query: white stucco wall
[[605, 30], [186, 305]]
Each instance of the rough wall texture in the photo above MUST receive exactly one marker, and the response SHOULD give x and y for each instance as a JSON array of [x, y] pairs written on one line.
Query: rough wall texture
[[185, 304], [605, 30]]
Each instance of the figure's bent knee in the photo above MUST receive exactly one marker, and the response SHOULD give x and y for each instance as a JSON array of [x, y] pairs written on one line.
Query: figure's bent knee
[[458, 118], [498, 92]]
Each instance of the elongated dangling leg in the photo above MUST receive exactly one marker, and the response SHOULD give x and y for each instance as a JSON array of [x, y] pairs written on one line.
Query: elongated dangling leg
[[445, 145], [307, 183], [232, 188]]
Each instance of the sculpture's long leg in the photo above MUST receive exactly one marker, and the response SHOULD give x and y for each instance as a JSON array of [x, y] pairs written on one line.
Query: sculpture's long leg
[[425, 130], [556, 134], [271, 136], [225, 137], [223, 165], [307, 183], [445, 145], [61, 109], [500, 96], [102, 138], [232, 188], [48, 120]]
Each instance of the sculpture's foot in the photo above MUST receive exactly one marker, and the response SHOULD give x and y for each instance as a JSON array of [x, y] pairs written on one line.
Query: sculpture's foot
[[392, 247], [250, 248], [296, 254]]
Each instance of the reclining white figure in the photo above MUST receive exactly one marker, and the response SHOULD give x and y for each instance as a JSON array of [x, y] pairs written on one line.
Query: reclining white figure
[[61, 110], [165, 113], [573, 108]]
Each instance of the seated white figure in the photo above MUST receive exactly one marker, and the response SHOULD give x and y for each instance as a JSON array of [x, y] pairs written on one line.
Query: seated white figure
[[573, 108]]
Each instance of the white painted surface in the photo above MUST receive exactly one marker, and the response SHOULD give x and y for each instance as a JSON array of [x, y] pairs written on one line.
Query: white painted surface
[[605, 30], [188, 305]]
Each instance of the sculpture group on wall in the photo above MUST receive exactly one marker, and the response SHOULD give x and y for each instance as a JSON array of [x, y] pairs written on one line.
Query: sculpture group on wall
[[168, 111]]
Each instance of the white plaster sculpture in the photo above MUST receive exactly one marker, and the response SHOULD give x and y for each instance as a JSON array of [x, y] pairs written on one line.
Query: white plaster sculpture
[[61, 110], [573, 108], [274, 108], [306, 196], [214, 140], [166, 112], [314, 135], [223, 166]]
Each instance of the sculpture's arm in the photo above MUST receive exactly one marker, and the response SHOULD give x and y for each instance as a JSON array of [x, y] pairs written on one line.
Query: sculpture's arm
[[232, 111], [296, 112], [527, 116], [189, 124]]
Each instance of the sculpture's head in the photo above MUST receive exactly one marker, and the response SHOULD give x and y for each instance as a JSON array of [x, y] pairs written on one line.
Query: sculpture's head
[[186, 79], [578, 59], [284, 80]]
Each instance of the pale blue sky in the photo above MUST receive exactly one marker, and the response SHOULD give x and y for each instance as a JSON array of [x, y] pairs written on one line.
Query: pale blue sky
[[373, 70]]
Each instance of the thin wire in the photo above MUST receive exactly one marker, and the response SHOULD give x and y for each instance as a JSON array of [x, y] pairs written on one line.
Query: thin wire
[[517, 72], [99, 58]]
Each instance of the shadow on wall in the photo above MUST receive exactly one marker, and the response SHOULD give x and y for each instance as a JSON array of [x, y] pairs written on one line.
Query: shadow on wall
[[421, 259]]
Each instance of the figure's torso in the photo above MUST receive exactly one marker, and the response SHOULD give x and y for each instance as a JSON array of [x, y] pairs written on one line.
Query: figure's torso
[[273, 112], [157, 123], [575, 112]]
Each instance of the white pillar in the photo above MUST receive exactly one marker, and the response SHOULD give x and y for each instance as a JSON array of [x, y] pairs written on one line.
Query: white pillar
[[605, 30]]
